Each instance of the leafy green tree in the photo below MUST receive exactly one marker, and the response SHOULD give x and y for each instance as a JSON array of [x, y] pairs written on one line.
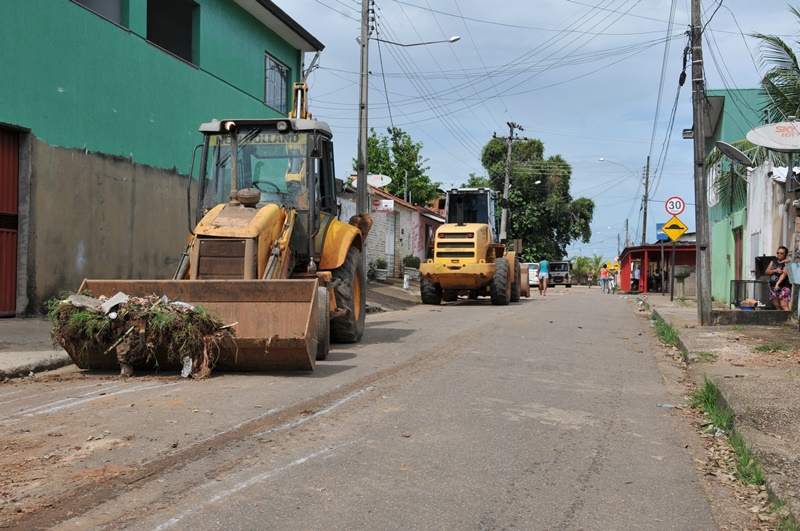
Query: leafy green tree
[[542, 212], [476, 181], [398, 156]]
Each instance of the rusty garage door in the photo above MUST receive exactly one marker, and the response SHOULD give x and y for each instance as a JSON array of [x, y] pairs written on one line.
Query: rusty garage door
[[9, 192]]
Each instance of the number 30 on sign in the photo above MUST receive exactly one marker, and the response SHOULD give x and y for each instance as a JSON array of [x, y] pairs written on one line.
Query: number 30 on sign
[[675, 205]]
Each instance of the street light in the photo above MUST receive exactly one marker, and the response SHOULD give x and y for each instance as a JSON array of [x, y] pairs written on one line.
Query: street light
[[362, 162], [454, 38]]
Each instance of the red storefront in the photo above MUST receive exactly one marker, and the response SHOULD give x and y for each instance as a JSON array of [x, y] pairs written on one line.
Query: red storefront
[[655, 261]]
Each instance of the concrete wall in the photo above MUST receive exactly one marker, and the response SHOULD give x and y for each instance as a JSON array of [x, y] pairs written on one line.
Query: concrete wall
[[98, 216]]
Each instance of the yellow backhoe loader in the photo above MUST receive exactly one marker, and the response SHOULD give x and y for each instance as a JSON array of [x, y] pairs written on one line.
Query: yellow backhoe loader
[[267, 252]]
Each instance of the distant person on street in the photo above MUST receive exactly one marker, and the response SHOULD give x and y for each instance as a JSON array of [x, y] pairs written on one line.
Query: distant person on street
[[603, 278], [636, 277], [589, 278], [780, 292], [544, 274]]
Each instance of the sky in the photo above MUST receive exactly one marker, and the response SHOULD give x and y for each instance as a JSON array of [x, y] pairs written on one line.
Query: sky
[[591, 79]]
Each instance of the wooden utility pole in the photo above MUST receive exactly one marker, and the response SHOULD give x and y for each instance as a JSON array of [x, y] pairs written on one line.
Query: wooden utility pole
[[507, 185], [645, 199], [362, 196], [700, 190]]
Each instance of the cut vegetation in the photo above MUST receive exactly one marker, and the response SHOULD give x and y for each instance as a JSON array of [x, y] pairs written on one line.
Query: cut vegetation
[[138, 331]]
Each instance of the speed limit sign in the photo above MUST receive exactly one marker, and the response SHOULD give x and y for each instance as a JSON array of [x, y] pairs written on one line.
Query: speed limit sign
[[675, 205]]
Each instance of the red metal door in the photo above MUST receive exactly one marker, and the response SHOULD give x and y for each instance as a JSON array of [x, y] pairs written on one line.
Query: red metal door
[[9, 192]]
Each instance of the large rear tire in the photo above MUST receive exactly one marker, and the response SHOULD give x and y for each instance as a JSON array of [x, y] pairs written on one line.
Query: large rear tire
[[515, 286], [323, 324], [351, 297], [499, 291], [430, 292]]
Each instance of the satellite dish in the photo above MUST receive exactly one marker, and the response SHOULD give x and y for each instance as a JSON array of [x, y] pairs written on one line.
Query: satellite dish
[[734, 154], [783, 137], [375, 179]]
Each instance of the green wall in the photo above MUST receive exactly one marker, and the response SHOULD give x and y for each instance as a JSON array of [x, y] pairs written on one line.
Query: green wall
[[740, 113], [77, 80]]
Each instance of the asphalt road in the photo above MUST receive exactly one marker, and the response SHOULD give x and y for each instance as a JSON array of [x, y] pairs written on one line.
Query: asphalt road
[[538, 415]]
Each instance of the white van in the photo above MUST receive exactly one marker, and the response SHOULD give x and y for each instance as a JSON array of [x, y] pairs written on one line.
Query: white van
[[561, 273]]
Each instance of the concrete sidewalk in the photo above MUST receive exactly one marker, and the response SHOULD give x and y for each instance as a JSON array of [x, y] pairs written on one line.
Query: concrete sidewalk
[[26, 347], [757, 370]]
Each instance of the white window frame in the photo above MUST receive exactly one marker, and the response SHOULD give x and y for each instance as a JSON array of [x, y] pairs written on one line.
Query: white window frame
[[276, 83]]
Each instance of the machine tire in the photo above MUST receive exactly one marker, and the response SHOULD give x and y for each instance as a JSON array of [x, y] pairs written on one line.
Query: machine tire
[[430, 292], [351, 296], [449, 295], [499, 290], [323, 324], [515, 287]]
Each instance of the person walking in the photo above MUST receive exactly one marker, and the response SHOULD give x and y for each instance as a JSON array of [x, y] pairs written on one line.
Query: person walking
[[589, 279], [544, 274], [603, 278], [780, 292]]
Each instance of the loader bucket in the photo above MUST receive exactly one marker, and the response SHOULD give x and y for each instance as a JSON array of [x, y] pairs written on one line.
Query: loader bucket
[[275, 321]]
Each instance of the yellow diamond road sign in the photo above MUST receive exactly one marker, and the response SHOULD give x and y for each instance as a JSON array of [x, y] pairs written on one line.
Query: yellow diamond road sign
[[674, 228]]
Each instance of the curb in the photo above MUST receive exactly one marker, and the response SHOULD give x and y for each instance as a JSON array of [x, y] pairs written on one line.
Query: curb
[[726, 401]]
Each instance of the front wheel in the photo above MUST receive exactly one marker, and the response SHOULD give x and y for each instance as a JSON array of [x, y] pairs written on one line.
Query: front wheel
[[350, 296], [499, 290], [430, 292]]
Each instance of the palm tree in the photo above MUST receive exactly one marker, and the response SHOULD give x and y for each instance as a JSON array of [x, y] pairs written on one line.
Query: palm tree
[[580, 266], [782, 80], [782, 85], [597, 263]]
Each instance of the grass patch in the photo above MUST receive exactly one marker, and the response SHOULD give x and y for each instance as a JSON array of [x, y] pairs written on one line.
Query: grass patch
[[706, 399], [737, 328], [772, 347], [666, 333], [747, 468], [704, 356], [785, 520]]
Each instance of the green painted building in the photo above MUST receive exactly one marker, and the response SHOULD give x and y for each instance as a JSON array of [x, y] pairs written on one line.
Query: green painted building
[[732, 114], [100, 103]]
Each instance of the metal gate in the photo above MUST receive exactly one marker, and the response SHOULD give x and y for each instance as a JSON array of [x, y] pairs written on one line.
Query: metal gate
[[9, 193]]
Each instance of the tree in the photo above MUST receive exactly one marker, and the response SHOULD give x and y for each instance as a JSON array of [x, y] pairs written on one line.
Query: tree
[[475, 181], [542, 213], [581, 265], [398, 156], [782, 85], [782, 80], [597, 262]]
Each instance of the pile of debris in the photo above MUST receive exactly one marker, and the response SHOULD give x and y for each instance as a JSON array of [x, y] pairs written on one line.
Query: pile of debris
[[139, 331]]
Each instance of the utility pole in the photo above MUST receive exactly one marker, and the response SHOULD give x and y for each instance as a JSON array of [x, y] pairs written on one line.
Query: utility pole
[[362, 199], [507, 184], [645, 199], [700, 190], [627, 237]]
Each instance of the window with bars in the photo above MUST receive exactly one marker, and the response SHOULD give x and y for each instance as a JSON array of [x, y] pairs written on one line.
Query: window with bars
[[276, 84]]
